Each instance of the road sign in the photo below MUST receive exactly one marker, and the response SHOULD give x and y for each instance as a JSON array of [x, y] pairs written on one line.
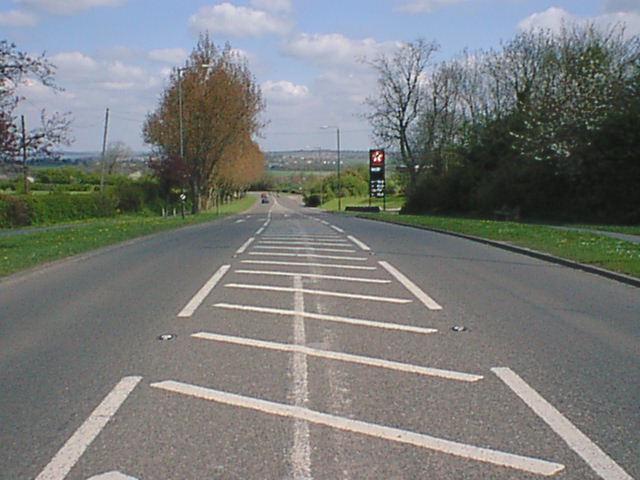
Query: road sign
[[376, 173], [183, 197]]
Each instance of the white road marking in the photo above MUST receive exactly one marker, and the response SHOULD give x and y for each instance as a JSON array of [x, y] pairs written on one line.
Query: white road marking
[[72, 450], [360, 244], [313, 249], [485, 455], [314, 243], [337, 229], [303, 237], [112, 476], [339, 356], [598, 460], [324, 293], [314, 275], [308, 255], [324, 222], [240, 221], [245, 245], [429, 302], [307, 264], [259, 231], [301, 451], [197, 299], [329, 318]]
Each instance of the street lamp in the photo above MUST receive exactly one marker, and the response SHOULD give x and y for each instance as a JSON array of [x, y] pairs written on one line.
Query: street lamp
[[324, 127]]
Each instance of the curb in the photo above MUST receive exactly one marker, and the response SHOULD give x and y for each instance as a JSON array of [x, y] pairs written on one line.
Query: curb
[[619, 277]]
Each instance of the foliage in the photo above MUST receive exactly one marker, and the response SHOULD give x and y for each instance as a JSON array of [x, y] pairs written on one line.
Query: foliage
[[545, 125], [24, 210], [220, 104]]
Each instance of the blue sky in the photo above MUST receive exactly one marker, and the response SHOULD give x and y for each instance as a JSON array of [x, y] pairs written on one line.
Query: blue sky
[[304, 53]]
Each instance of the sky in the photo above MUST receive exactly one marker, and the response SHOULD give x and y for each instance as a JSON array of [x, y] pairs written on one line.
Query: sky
[[308, 56]]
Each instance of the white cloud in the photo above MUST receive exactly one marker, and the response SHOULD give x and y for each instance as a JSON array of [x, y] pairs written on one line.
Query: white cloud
[[426, 6], [169, 55], [283, 91], [228, 19], [73, 62], [334, 48], [554, 19], [622, 5], [17, 18], [272, 5], [69, 7]]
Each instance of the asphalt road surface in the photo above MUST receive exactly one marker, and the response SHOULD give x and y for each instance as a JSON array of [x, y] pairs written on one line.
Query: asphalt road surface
[[306, 345]]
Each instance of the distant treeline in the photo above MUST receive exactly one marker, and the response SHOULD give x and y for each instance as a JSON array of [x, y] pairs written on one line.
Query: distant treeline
[[546, 126]]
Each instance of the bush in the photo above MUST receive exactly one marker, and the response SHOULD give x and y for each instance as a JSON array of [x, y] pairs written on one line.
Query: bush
[[23, 210], [312, 200]]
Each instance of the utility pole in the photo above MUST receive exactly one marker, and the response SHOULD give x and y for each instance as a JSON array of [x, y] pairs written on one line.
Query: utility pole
[[104, 149], [339, 183], [25, 170]]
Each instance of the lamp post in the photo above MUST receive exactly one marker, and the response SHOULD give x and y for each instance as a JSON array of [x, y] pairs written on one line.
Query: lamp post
[[324, 127]]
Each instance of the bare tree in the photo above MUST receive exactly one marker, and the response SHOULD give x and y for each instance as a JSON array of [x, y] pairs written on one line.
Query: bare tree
[[116, 153], [53, 130], [396, 105]]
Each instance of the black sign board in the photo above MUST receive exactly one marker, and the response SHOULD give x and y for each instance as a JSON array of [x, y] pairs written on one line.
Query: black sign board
[[376, 173]]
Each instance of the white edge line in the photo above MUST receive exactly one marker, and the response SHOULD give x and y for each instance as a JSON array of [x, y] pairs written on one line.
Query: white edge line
[[330, 318], [340, 356], [245, 245], [337, 229], [313, 275], [486, 455], [359, 243], [63, 461], [259, 231], [429, 302], [355, 296], [198, 298], [598, 460]]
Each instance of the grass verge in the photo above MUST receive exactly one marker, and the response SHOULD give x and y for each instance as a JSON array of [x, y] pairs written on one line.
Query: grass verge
[[392, 202], [583, 247], [19, 252]]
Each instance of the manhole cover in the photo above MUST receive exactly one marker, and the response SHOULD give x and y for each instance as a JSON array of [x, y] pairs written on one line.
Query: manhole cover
[[459, 328], [167, 336]]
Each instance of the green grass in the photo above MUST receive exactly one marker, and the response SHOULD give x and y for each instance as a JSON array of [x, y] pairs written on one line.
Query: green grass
[[583, 247], [395, 201], [629, 230], [19, 252]]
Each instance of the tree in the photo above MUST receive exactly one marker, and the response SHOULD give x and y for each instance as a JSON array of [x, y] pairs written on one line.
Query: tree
[[221, 107], [116, 152], [15, 67], [396, 106]]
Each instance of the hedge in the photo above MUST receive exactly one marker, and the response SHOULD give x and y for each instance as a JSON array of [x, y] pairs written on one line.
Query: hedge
[[23, 210]]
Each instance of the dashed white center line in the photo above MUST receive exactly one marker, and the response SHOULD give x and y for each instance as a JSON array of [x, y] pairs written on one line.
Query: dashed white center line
[[360, 244], [308, 264], [240, 220], [301, 451], [329, 318], [337, 229], [354, 296], [343, 357], [308, 255], [429, 302], [197, 299], [259, 231], [70, 453], [313, 275], [245, 245], [599, 461], [486, 455]]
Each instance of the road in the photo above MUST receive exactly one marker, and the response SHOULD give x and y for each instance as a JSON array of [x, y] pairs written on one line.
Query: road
[[307, 345]]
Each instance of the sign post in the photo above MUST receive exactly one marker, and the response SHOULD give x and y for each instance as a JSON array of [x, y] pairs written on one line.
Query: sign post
[[377, 176]]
